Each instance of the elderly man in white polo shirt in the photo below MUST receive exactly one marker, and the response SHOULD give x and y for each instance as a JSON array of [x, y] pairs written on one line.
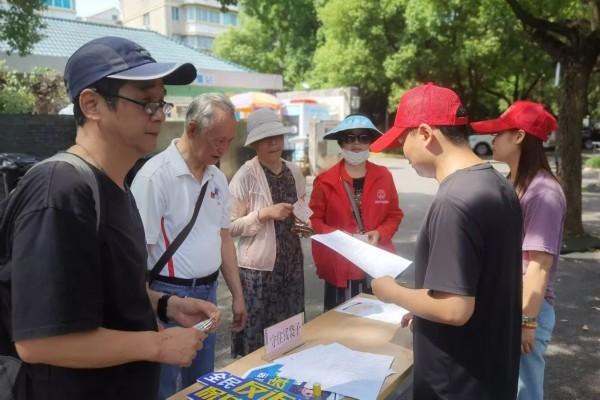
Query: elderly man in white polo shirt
[[166, 189]]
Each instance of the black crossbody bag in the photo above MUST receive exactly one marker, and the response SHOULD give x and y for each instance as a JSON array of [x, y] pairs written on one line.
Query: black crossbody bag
[[179, 239]]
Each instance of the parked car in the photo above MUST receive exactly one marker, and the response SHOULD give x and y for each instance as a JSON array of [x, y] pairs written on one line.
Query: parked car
[[482, 144], [551, 142], [589, 136]]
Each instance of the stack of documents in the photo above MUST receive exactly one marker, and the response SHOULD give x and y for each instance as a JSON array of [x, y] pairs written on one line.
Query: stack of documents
[[339, 369], [372, 260], [372, 309]]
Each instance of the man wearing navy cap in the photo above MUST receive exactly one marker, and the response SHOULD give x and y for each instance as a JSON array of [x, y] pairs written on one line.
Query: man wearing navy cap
[[83, 320]]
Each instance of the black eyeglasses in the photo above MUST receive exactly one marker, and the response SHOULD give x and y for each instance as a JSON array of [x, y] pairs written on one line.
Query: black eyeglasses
[[362, 138], [150, 107]]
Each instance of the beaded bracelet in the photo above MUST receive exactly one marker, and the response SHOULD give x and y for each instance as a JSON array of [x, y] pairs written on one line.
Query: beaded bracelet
[[529, 325]]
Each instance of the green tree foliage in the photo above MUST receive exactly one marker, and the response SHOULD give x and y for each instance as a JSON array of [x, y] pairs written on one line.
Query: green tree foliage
[[569, 32], [473, 46], [15, 98], [40, 92], [248, 45], [270, 39], [20, 25], [48, 89], [355, 39]]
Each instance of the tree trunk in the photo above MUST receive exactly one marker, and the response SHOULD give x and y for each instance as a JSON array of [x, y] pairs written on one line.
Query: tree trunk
[[573, 104]]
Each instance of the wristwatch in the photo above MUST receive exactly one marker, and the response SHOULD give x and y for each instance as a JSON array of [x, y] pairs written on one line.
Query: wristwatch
[[527, 320], [161, 308]]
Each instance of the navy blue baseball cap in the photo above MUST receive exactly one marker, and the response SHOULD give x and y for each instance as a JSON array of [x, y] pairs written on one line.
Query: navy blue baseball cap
[[120, 58]]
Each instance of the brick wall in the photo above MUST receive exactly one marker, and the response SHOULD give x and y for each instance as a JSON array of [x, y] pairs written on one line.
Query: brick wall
[[38, 135], [44, 135]]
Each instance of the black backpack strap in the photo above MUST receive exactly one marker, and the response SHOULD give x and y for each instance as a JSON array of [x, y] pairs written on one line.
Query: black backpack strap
[[85, 171], [12, 378], [179, 239]]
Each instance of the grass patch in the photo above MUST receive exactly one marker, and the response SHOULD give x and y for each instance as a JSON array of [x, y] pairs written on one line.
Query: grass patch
[[593, 162]]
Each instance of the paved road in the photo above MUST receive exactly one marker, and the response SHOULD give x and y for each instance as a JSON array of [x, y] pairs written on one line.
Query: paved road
[[573, 361]]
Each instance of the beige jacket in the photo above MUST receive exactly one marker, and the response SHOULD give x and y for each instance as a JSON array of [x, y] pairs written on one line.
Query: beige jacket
[[250, 192]]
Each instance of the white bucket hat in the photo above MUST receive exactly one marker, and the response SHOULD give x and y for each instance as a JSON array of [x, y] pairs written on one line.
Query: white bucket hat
[[264, 123]]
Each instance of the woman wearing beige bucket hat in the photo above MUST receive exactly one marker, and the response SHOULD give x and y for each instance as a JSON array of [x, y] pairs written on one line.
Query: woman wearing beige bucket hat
[[263, 192]]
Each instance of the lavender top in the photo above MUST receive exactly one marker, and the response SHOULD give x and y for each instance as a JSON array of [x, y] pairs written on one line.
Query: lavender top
[[544, 208]]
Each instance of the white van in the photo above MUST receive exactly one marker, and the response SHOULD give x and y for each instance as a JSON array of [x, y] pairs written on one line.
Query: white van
[[482, 145]]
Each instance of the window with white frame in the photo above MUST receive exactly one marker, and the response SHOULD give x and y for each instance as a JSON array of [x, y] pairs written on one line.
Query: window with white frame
[[190, 13], [229, 18], [199, 42], [210, 15], [59, 3], [207, 15], [175, 13]]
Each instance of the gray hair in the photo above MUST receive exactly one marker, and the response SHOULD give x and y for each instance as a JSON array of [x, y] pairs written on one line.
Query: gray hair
[[202, 109]]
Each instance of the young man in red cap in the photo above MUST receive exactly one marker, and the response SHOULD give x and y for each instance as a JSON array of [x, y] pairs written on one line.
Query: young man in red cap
[[520, 132], [73, 280], [466, 304]]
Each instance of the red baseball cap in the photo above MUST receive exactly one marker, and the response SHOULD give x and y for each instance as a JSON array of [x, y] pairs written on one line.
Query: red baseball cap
[[526, 115], [424, 104]]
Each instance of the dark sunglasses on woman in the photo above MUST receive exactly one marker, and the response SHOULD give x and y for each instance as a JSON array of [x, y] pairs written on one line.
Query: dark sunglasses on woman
[[363, 138]]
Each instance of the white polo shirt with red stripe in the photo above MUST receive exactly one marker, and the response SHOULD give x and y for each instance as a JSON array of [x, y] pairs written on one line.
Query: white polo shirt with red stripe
[[166, 193]]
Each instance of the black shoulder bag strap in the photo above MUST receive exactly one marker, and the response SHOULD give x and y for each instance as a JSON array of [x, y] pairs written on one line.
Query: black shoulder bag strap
[[85, 171], [355, 209], [179, 239]]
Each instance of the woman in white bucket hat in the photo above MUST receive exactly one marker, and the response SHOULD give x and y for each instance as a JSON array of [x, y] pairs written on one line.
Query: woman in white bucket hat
[[264, 191]]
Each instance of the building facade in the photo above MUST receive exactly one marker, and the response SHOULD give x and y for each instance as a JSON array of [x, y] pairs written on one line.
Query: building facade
[[110, 16], [54, 8], [61, 37], [61, 9], [196, 23], [67, 9]]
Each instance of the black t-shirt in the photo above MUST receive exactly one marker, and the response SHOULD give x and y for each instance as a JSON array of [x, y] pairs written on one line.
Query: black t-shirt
[[68, 277], [470, 244]]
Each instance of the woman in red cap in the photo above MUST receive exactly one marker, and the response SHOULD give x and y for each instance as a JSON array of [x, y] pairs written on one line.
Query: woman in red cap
[[520, 132], [357, 197]]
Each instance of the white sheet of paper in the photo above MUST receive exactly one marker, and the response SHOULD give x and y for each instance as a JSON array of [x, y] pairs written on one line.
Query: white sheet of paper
[[373, 260], [373, 309], [302, 211], [339, 369]]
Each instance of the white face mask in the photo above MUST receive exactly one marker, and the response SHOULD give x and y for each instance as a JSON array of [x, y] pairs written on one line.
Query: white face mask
[[355, 158]]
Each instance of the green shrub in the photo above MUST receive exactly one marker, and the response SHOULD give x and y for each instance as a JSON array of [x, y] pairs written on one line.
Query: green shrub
[[38, 92], [15, 101], [593, 162], [15, 98]]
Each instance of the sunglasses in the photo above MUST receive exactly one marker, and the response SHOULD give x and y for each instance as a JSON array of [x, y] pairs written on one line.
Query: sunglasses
[[363, 138]]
